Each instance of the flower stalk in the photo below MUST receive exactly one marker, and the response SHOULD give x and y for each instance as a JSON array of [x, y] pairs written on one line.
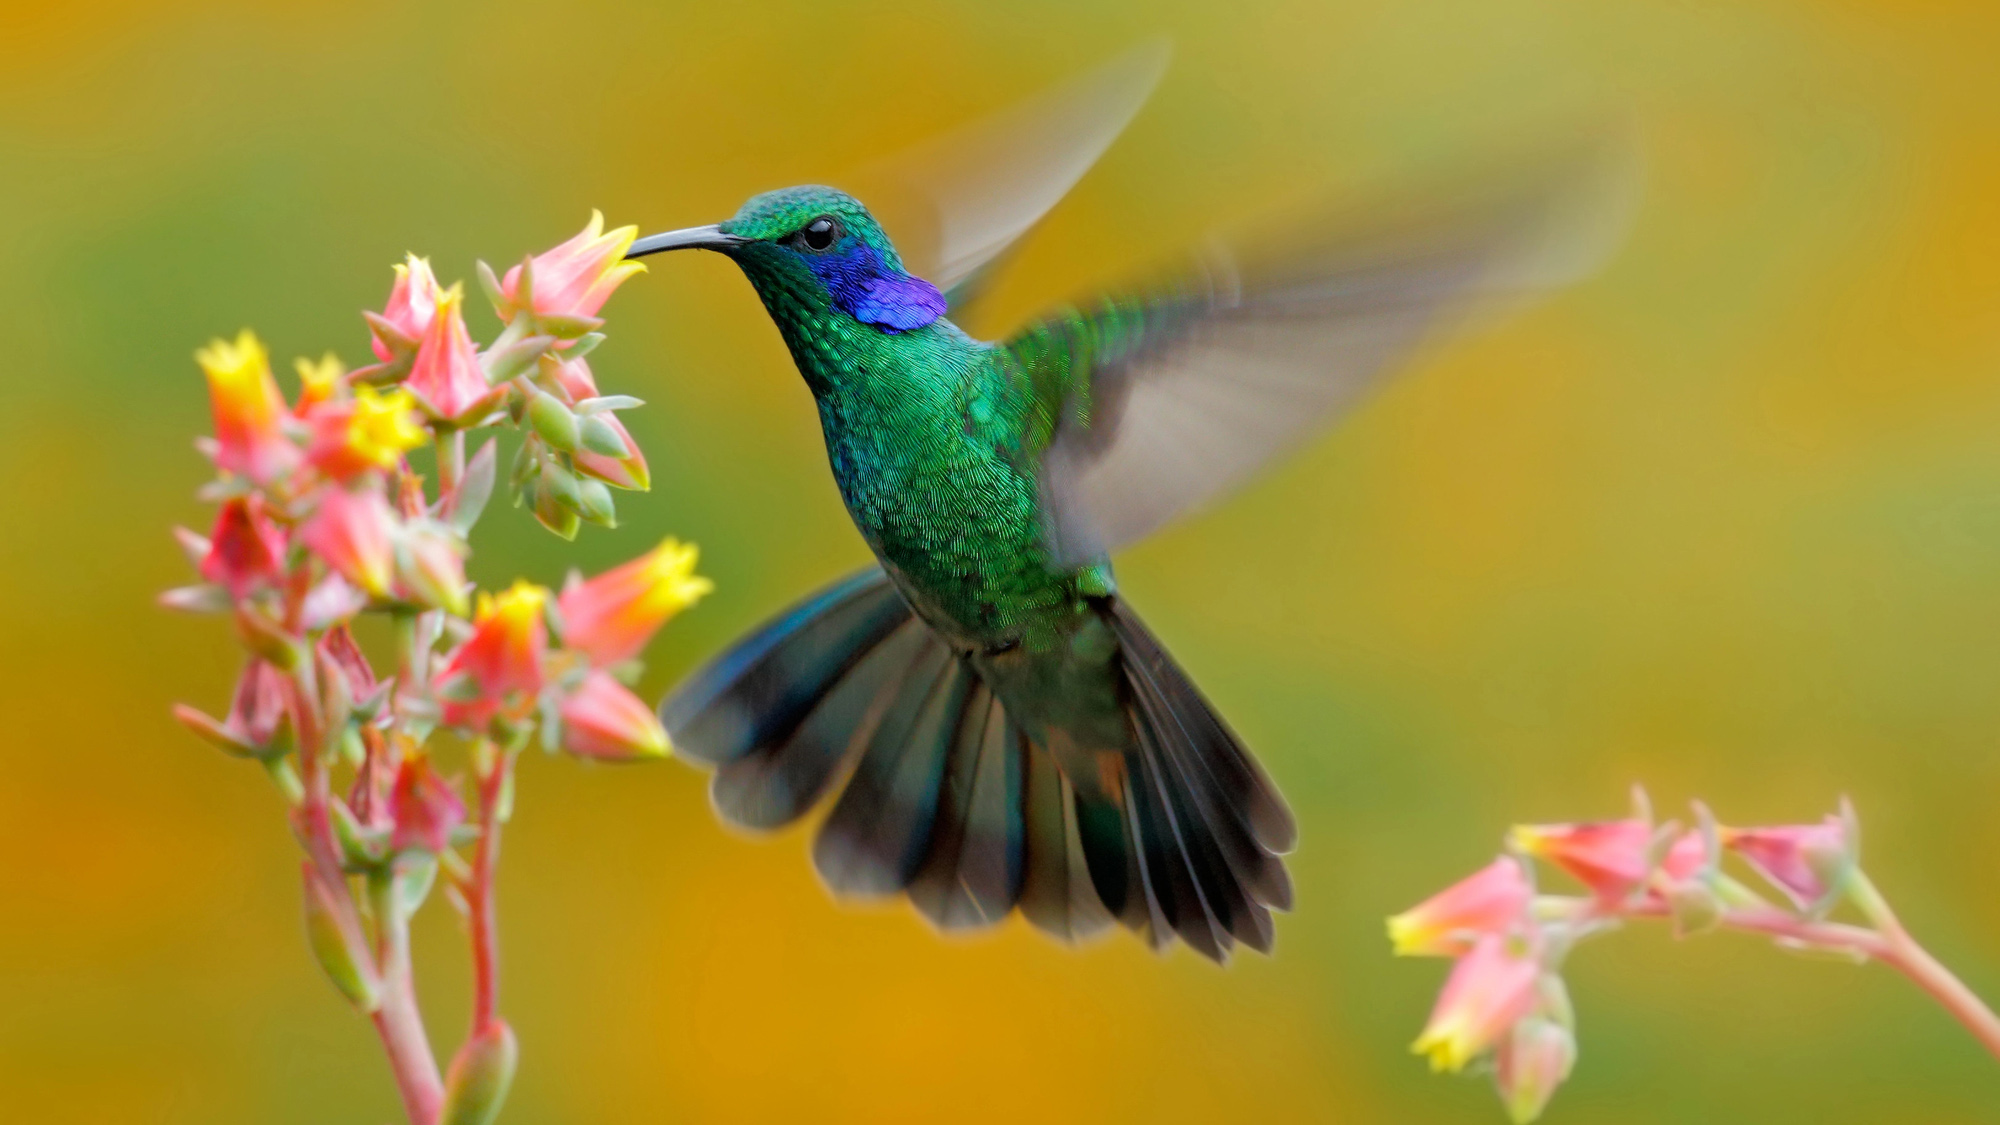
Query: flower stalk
[[322, 520], [1501, 933]]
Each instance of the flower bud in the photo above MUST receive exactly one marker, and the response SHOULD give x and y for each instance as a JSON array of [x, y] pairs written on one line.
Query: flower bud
[[354, 534], [475, 1086], [1809, 863], [1611, 857], [557, 500], [611, 617], [1530, 1063], [249, 411], [573, 280], [245, 550], [1447, 923], [424, 806], [1489, 989], [446, 378], [595, 456], [603, 719], [413, 302], [430, 564], [594, 503], [551, 419], [338, 945]]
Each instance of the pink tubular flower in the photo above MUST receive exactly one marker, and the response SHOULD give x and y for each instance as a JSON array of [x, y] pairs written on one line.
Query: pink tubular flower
[[1808, 862], [413, 301], [345, 656], [507, 644], [354, 532], [1608, 856], [611, 617], [1488, 990], [1530, 1063], [1447, 923], [372, 430], [576, 278], [628, 471], [602, 719], [245, 550], [446, 377], [424, 807], [248, 409]]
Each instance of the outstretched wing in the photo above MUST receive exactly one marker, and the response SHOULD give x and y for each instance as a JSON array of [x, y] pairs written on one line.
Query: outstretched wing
[[1151, 404], [963, 198]]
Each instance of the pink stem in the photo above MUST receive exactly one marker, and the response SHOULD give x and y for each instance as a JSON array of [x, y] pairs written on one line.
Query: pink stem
[[1889, 943], [480, 896], [398, 1022]]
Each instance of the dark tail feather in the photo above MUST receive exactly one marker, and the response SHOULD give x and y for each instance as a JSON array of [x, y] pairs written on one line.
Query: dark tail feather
[[946, 800], [1208, 821], [757, 692]]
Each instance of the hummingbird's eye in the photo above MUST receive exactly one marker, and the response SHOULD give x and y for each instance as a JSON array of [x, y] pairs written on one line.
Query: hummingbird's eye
[[820, 234]]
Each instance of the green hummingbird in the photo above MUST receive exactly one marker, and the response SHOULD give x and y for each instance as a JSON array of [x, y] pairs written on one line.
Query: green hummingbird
[[995, 727]]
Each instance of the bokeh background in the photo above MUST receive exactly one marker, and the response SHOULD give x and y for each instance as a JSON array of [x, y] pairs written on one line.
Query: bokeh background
[[1724, 520]]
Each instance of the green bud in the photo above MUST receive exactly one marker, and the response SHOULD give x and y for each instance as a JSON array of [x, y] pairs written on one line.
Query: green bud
[[600, 436], [556, 501], [476, 1085], [596, 504], [338, 945], [568, 327], [552, 420], [361, 848]]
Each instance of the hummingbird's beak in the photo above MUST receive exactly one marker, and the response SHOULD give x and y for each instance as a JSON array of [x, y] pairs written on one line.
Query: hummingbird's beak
[[692, 238]]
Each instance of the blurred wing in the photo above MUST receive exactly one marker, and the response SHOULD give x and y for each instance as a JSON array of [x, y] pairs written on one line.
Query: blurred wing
[[1159, 403], [976, 190]]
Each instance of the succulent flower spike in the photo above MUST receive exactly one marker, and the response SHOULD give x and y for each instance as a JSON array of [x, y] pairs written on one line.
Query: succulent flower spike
[[574, 279], [249, 411], [1610, 857], [413, 301], [1491, 987], [355, 533], [1449, 922], [603, 719], [446, 377], [611, 617]]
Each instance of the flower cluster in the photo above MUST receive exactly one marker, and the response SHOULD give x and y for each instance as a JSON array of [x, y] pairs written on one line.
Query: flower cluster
[[321, 517], [1504, 1003]]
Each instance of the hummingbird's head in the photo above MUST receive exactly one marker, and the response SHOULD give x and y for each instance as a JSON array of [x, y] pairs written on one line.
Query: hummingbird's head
[[811, 251]]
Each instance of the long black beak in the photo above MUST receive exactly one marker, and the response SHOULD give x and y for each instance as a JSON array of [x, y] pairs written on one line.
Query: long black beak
[[693, 238]]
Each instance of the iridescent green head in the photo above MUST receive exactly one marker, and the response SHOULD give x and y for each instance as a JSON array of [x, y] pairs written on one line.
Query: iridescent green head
[[815, 250]]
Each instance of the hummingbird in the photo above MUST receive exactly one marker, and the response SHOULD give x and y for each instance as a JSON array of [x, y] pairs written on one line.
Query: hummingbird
[[993, 725]]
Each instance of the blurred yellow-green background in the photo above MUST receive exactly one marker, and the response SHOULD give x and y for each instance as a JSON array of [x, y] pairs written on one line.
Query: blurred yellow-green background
[[1724, 520]]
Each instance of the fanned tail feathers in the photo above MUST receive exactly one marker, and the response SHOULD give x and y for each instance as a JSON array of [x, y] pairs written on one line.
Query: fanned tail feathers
[[943, 798]]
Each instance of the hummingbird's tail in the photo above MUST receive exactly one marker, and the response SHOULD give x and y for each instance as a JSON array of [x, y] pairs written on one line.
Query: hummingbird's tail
[[943, 797]]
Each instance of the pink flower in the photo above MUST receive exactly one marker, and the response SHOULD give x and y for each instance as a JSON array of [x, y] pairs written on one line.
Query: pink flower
[[628, 471], [1531, 1062], [249, 411], [1608, 856], [1446, 924], [372, 430], [245, 550], [413, 301], [258, 722], [611, 617], [503, 655], [1488, 990], [576, 278], [424, 807], [354, 533], [602, 719], [1810, 863], [446, 377]]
